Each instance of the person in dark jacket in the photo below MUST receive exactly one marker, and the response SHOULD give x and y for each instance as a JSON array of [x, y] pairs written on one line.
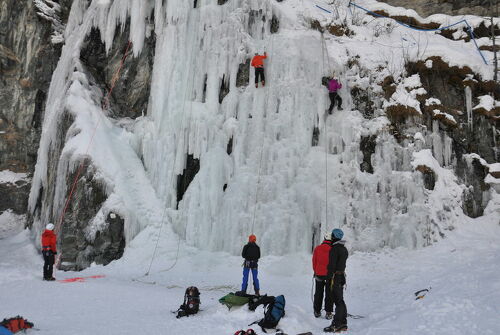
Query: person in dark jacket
[[49, 251], [320, 261], [337, 279], [251, 254]]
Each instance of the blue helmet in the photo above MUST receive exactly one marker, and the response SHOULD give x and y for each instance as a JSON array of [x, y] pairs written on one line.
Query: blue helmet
[[337, 233]]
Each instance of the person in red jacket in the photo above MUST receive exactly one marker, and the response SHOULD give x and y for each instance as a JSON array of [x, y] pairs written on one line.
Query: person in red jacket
[[49, 251], [258, 64], [320, 261]]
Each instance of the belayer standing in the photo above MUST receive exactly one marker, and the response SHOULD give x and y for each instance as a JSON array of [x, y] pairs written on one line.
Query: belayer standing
[[258, 64], [251, 254], [333, 86], [320, 259], [49, 251], [336, 278]]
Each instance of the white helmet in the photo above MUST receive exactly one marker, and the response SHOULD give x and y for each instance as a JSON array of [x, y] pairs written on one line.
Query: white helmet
[[50, 226]]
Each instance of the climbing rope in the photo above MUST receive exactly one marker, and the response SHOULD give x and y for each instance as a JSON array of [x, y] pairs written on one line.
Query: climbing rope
[[262, 145], [189, 88], [105, 105], [324, 52]]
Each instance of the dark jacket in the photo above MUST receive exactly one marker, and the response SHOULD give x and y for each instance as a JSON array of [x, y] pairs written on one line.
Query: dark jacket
[[321, 258], [338, 258], [251, 252]]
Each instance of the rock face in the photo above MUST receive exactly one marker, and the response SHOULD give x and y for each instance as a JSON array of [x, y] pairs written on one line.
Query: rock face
[[79, 246], [27, 60], [130, 94], [450, 7], [128, 79]]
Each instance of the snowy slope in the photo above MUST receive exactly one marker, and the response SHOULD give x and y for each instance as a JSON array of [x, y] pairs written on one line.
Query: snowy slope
[[462, 271]]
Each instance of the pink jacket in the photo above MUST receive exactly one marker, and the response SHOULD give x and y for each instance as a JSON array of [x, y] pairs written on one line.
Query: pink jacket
[[334, 85]]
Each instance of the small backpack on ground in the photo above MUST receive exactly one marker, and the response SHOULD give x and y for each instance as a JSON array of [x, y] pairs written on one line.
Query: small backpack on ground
[[16, 324], [191, 303], [273, 314]]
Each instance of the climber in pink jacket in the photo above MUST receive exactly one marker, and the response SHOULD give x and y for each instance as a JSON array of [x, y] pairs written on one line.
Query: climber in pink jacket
[[333, 87]]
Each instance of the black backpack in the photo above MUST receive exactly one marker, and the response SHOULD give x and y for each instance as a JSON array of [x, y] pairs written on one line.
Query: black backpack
[[256, 301], [191, 303], [273, 314]]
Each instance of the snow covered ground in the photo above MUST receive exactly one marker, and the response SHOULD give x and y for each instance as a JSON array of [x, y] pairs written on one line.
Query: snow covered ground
[[463, 271]]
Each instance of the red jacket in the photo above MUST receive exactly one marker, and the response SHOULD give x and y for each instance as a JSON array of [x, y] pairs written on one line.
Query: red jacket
[[321, 257], [49, 241], [258, 60]]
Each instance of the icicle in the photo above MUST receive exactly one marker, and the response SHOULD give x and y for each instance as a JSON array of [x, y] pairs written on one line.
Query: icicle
[[468, 105]]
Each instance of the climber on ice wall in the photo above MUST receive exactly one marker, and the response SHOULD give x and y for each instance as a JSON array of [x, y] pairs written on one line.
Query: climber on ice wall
[[333, 86], [258, 64], [49, 251], [337, 280], [320, 261], [251, 254]]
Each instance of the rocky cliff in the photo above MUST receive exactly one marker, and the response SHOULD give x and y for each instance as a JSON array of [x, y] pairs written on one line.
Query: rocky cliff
[[27, 60]]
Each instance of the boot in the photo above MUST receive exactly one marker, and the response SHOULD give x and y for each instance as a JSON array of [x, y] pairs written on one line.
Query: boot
[[335, 329], [329, 315], [317, 314], [257, 293], [256, 85], [263, 83]]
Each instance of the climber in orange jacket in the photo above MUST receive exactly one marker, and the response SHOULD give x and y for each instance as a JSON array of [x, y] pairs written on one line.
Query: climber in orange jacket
[[258, 64], [49, 241]]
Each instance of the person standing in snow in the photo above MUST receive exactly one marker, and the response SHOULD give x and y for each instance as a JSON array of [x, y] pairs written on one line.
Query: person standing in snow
[[333, 86], [251, 254], [336, 277], [49, 251], [258, 64], [320, 261]]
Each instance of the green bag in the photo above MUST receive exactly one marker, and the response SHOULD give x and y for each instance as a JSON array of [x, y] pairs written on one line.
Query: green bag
[[231, 300]]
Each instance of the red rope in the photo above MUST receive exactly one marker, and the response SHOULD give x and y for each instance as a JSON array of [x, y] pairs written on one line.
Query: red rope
[[80, 168]]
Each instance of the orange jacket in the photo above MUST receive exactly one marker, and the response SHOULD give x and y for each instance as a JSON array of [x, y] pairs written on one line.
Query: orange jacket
[[49, 241], [258, 60]]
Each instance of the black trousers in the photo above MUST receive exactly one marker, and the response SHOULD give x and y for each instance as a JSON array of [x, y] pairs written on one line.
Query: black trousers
[[259, 72], [48, 265], [334, 97], [322, 287], [340, 317]]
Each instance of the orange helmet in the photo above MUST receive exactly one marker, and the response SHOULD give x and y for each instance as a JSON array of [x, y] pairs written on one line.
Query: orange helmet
[[252, 238]]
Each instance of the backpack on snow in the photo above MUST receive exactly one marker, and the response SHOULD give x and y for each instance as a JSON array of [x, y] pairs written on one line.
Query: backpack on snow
[[273, 314], [191, 303], [16, 324]]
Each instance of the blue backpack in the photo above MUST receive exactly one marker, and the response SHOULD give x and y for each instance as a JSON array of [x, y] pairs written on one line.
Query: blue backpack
[[273, 313]]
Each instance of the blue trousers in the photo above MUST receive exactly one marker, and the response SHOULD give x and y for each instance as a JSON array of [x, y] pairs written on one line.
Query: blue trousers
[[255, 272]]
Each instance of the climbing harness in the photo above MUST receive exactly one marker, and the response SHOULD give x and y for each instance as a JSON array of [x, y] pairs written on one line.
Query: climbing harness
[[105, 105]]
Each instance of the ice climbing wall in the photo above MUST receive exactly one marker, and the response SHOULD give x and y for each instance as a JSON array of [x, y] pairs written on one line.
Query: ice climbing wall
[[265, 160]]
